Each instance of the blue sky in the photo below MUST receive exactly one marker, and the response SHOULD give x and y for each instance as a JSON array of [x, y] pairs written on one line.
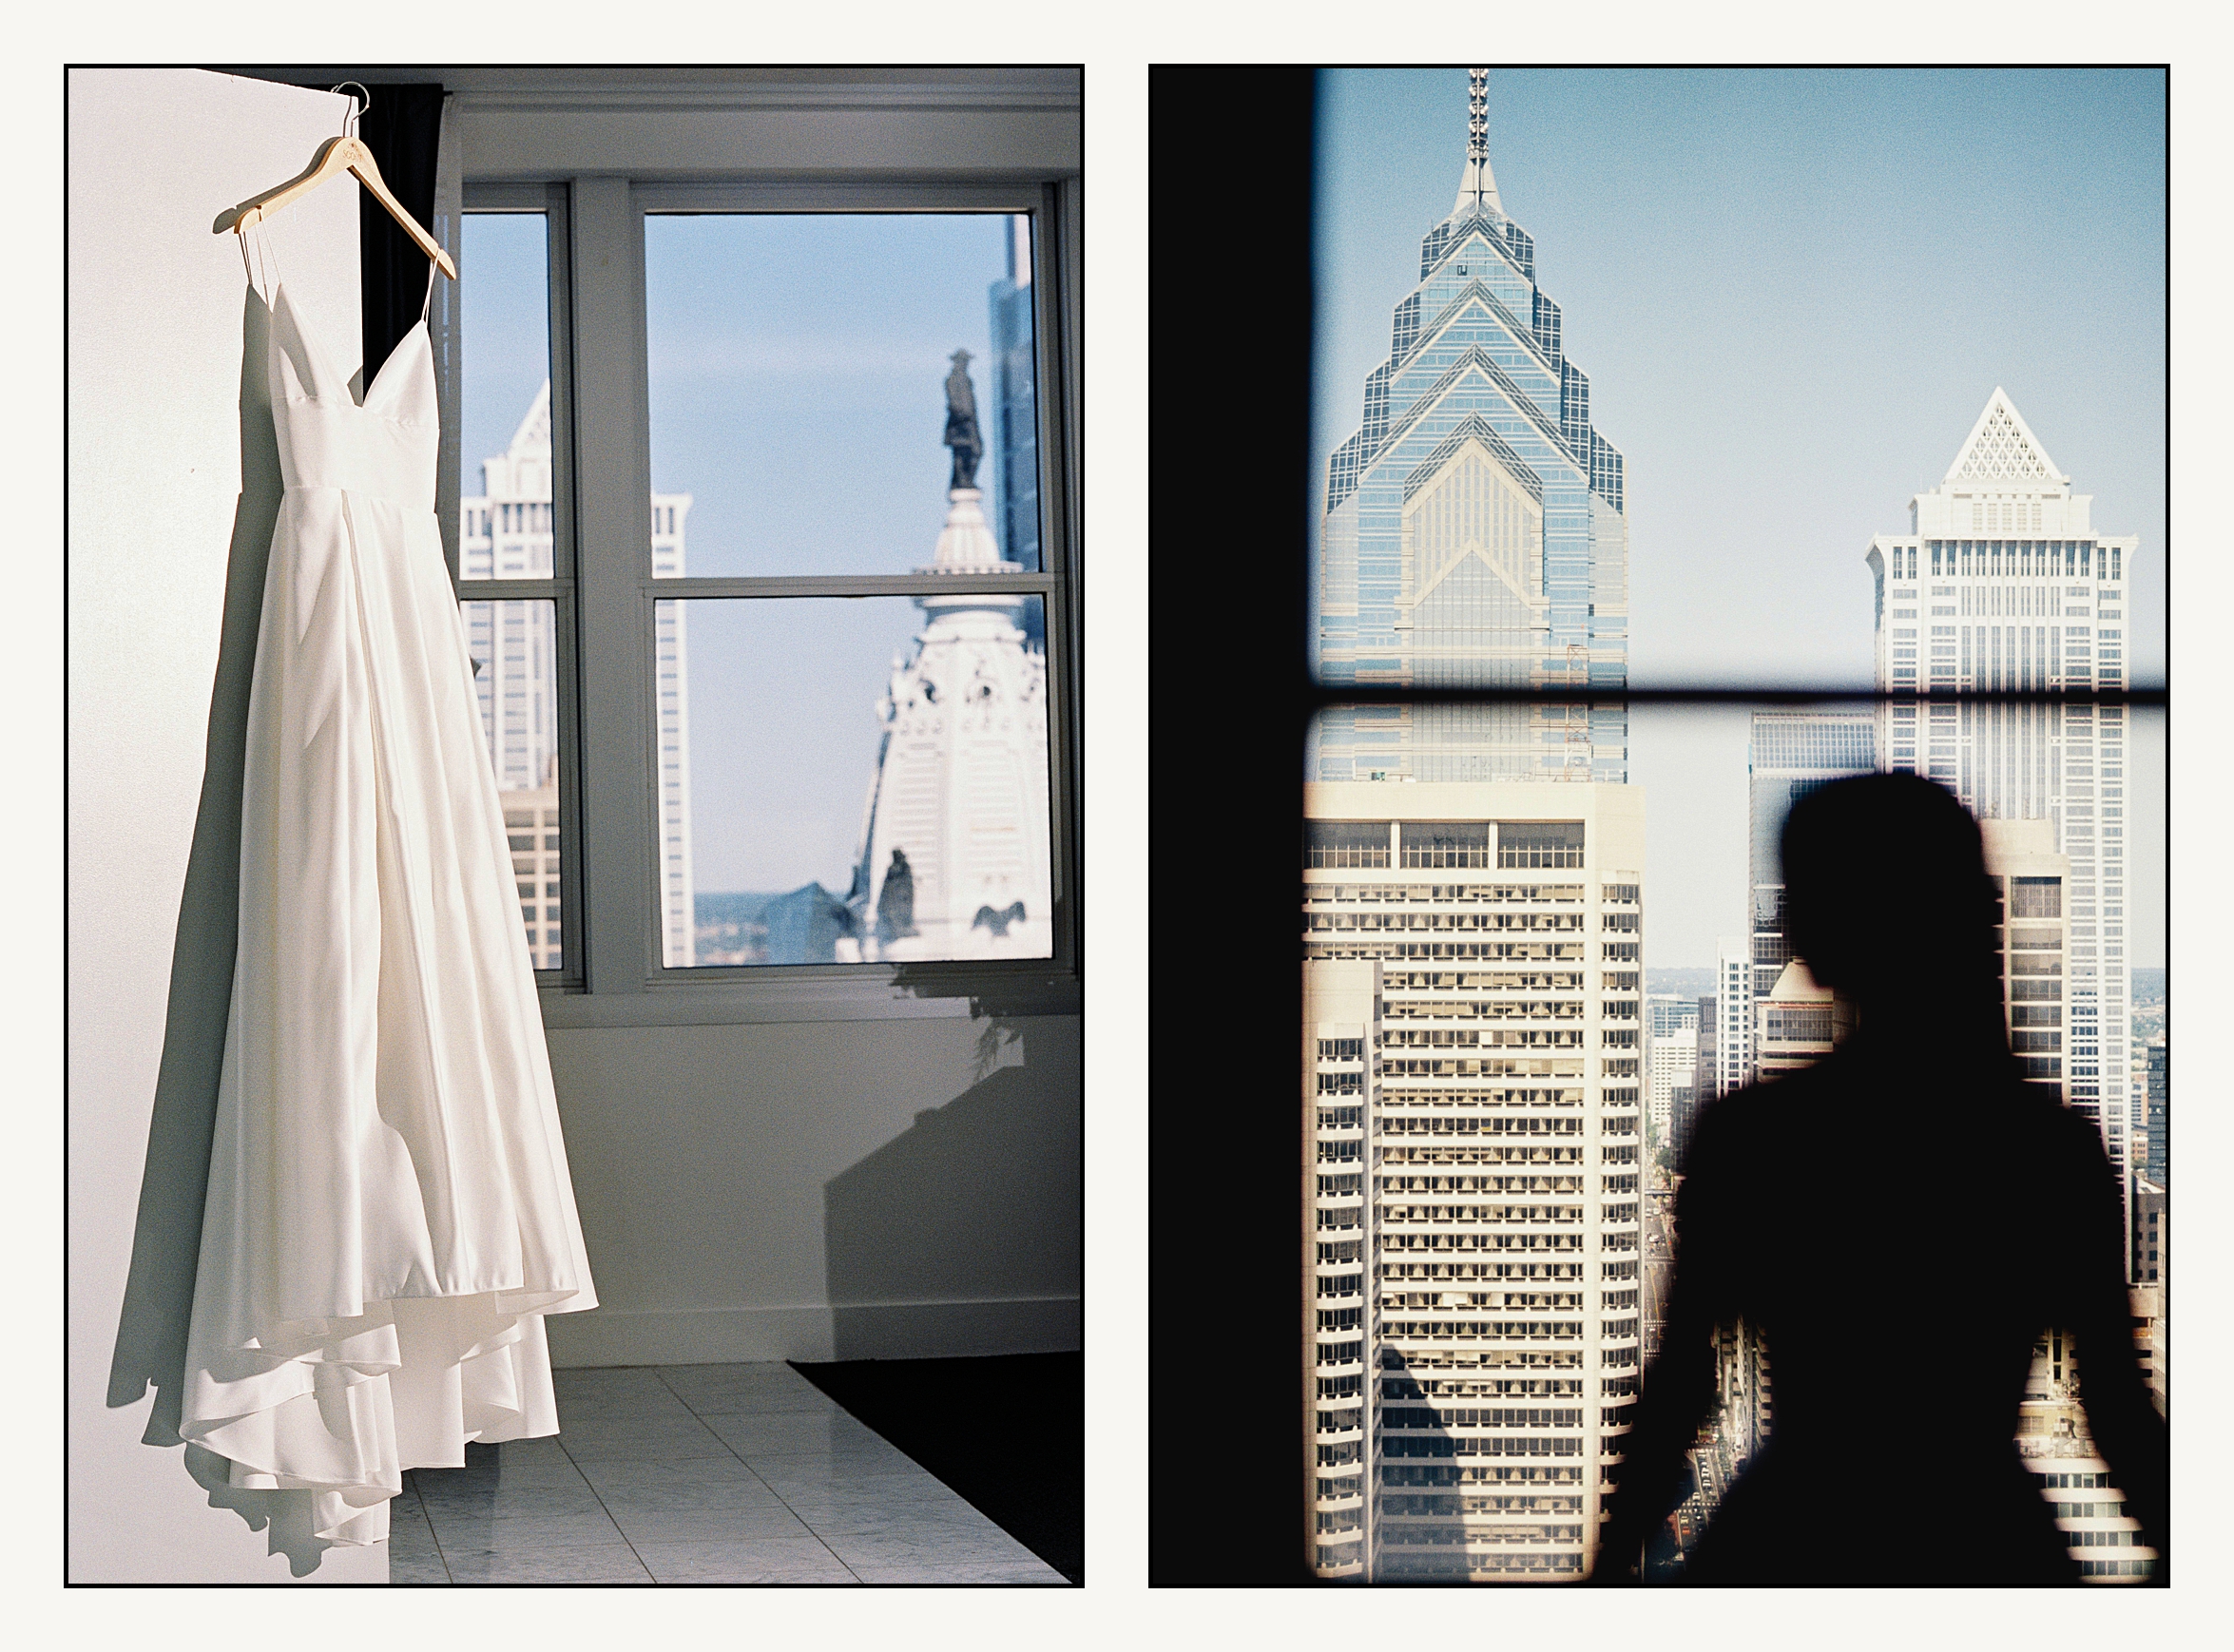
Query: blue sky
[[1793, 292], [797, 367]]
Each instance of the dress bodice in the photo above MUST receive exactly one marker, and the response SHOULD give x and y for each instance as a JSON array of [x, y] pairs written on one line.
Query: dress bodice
[[385, 447]]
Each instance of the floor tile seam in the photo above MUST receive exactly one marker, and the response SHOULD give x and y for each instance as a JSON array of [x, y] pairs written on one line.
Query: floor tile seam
[[795, 1514], [609, 1513], [434, 1536]]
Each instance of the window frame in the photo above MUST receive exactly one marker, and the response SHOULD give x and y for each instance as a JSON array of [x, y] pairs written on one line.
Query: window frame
[[615, 973]]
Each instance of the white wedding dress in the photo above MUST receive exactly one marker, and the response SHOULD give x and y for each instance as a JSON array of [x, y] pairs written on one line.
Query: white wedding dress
[[389, 1214]]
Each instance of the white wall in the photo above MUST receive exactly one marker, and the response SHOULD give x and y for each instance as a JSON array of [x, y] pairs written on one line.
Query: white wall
[[163, 513], [835, 1189]]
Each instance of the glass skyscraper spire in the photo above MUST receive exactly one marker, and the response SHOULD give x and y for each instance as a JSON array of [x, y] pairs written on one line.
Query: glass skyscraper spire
[[1475, 534]]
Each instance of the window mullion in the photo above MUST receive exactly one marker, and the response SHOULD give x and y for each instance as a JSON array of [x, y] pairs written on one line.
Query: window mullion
[[1055, 250], [612, 502]]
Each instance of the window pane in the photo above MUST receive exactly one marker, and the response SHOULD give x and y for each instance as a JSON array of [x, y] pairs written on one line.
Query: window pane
[[513, 648], [504, 294], [801, 370], [853, 779], [1518, 992], [1501, 358]]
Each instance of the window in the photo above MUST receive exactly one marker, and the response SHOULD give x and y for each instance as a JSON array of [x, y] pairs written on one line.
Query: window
[[687, 392], [1459, 691]]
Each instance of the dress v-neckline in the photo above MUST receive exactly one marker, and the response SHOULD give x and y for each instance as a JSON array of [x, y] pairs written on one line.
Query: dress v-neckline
[[309, 336]]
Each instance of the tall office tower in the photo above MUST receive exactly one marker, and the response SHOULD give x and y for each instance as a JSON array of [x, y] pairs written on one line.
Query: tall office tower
[[1472, 1112], [1733, 1017], [505, 532], [2002, 575], [954, 860], [1014, 433], [1474, 534], [1791, 753]]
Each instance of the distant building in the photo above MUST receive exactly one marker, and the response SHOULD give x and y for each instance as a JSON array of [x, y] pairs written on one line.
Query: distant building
[[2151, 1248], [1704, 1079], [1013, 439], [1670, 1012], [1473, 1041], [505, 531], [2002, 584], [1675, 1063], [954, 858], [1795, 1024], [1790, 754], [2158, 1117], [1733, 1016]]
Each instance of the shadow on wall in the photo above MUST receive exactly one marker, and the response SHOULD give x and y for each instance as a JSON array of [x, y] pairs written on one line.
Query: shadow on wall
[[979, 1202], [167, 1237]]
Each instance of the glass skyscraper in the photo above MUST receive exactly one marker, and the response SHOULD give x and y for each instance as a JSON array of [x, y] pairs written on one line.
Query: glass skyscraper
[[1473, 947], [1474, 534]]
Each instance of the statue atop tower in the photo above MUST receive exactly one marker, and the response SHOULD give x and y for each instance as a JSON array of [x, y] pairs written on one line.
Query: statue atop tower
[[962, 434]]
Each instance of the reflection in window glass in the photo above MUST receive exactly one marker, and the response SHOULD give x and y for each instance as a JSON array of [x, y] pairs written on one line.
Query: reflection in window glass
[[504, 294], [861, 779], [794, 358], [512, 645]]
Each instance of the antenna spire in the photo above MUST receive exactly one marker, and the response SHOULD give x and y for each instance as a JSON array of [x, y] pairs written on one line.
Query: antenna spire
[[1477, 189]]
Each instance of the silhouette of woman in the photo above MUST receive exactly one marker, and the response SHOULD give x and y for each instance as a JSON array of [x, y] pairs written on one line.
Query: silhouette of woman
[[1902, 1221]]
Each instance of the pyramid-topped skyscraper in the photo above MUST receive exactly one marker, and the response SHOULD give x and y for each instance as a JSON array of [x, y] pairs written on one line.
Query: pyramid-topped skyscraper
[[1474, 535], [2001, 633]]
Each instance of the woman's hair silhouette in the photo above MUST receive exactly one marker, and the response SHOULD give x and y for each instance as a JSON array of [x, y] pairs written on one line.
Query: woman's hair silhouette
[[1900, 1224]]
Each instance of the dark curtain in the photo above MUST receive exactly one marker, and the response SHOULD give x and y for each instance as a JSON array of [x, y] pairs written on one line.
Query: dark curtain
[[400, 128], [1227, 1366]]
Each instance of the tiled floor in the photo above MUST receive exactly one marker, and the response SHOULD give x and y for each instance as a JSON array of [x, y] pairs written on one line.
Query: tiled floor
[[697, 1475]]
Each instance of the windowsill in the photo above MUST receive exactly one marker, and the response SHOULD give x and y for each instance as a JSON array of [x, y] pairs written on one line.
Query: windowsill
[[867, 992]]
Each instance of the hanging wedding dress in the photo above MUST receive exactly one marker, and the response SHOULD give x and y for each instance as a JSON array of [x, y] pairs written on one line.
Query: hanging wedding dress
[[389, 1214]]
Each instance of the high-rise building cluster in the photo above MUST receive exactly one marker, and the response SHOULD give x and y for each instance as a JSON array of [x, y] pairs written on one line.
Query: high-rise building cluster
[[1486, 1081]]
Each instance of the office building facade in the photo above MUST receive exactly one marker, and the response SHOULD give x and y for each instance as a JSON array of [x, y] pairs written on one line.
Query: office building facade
[[505, 531], [1474, 1162], [1733, 1017]]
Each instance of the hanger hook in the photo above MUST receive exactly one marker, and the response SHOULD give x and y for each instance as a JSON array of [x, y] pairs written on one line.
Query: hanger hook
[[357, 109]]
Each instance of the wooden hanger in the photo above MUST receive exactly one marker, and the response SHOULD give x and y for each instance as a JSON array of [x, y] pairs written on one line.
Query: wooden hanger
[[336, 155]]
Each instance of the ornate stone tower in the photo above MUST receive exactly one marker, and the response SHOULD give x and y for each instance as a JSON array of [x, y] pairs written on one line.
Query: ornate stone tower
[[955, 846]]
